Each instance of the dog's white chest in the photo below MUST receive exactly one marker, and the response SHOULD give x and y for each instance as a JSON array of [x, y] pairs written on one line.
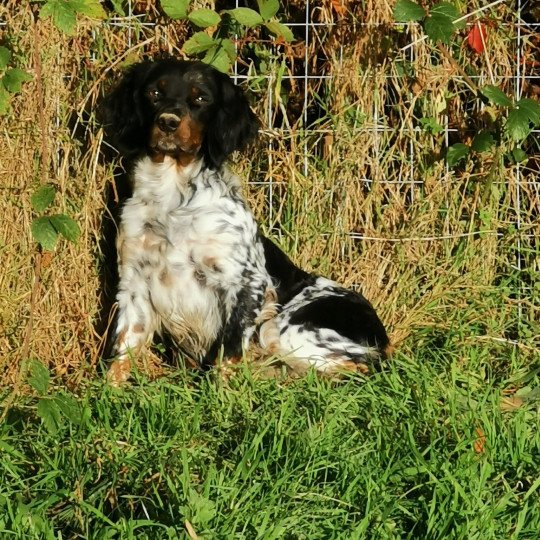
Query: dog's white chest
[[190, 241]]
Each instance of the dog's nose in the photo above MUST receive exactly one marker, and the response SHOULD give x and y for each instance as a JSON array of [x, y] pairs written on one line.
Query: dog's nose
[[168, 122]]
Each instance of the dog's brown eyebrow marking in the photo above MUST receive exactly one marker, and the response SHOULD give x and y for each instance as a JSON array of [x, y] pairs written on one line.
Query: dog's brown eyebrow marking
[[162, 84], [195, 92]]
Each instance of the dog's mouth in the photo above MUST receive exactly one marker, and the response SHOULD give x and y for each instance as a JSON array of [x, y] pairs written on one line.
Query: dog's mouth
[[174, 135]]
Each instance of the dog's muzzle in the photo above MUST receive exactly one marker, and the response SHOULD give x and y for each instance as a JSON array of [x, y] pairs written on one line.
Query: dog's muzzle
[[173, 134]]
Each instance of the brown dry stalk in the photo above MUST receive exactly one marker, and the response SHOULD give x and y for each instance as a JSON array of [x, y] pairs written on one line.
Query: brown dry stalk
[[25, 349], [44, 161], [446, 53]]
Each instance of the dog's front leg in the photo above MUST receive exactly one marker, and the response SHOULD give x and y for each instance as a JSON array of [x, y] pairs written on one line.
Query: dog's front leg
[[136, 321]]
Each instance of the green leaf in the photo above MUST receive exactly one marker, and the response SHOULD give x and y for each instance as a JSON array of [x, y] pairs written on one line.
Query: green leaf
[[496, 95], [198, 43], [268, 8], [4, 99], [14, 78], [456, 153], [175, 9], [531, 108], [517, 124], [204, 18], [280, 30], [40, 377], [245, 16], [90, 8], [218, 58], [483, 142], [5, 56], [44, 232], [70, 408], [406, 11], [519, 155], [431, 125], [118, 7], [63, 15], [43, 197], [448, 10], [66, 226], [439, 27], [228, 46], [198, 509], [49, 413]]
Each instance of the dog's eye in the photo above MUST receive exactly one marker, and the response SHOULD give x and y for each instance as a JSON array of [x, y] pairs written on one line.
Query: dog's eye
[[154, 94], [199, 100]]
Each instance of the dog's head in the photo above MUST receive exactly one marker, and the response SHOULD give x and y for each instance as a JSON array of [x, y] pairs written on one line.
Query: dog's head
[[180, 109]]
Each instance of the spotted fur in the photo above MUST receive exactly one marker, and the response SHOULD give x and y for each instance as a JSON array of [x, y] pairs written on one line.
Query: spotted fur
[[191, 261]]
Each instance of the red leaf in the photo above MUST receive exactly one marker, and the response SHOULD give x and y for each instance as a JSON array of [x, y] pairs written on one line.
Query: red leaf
[[477, 37]]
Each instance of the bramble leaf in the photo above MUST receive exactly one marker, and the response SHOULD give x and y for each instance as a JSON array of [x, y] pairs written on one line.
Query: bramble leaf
[[62, 14], [228, 46], [203, 18], [456, 153], [477, 37], [517, 124], [44, 232], [280, 30], [5, 56], [43, 197], [218, 58], [66, 226], [90, 8], [245, 16], [14, 78], [448, 10], [175, 9], [40, 377], [70, 408], [268, 8], [439, 27], [531, 108], [406, 11], [198, 43], [49, 413], [483, 142], [519, 155], [496, 95]]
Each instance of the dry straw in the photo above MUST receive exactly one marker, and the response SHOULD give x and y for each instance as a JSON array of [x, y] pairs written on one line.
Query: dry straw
[[363, 196]]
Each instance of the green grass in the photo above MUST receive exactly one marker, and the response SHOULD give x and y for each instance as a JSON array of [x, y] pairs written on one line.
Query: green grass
[[390, 456]]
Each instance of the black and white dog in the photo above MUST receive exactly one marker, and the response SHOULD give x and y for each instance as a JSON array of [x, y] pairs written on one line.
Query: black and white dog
[[191, 259]]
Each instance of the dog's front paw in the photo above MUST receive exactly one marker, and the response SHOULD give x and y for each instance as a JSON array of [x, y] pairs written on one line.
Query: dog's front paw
[[119, 372]]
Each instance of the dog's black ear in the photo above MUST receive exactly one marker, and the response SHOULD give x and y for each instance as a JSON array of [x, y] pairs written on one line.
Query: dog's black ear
[[232, 127], [123, 113]]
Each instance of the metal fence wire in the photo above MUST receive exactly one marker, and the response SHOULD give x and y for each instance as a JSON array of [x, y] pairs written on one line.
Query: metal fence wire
[[294, 87]]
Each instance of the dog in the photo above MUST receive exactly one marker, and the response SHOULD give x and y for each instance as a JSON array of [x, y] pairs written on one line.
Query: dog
[[190, 256], [192, 262]]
